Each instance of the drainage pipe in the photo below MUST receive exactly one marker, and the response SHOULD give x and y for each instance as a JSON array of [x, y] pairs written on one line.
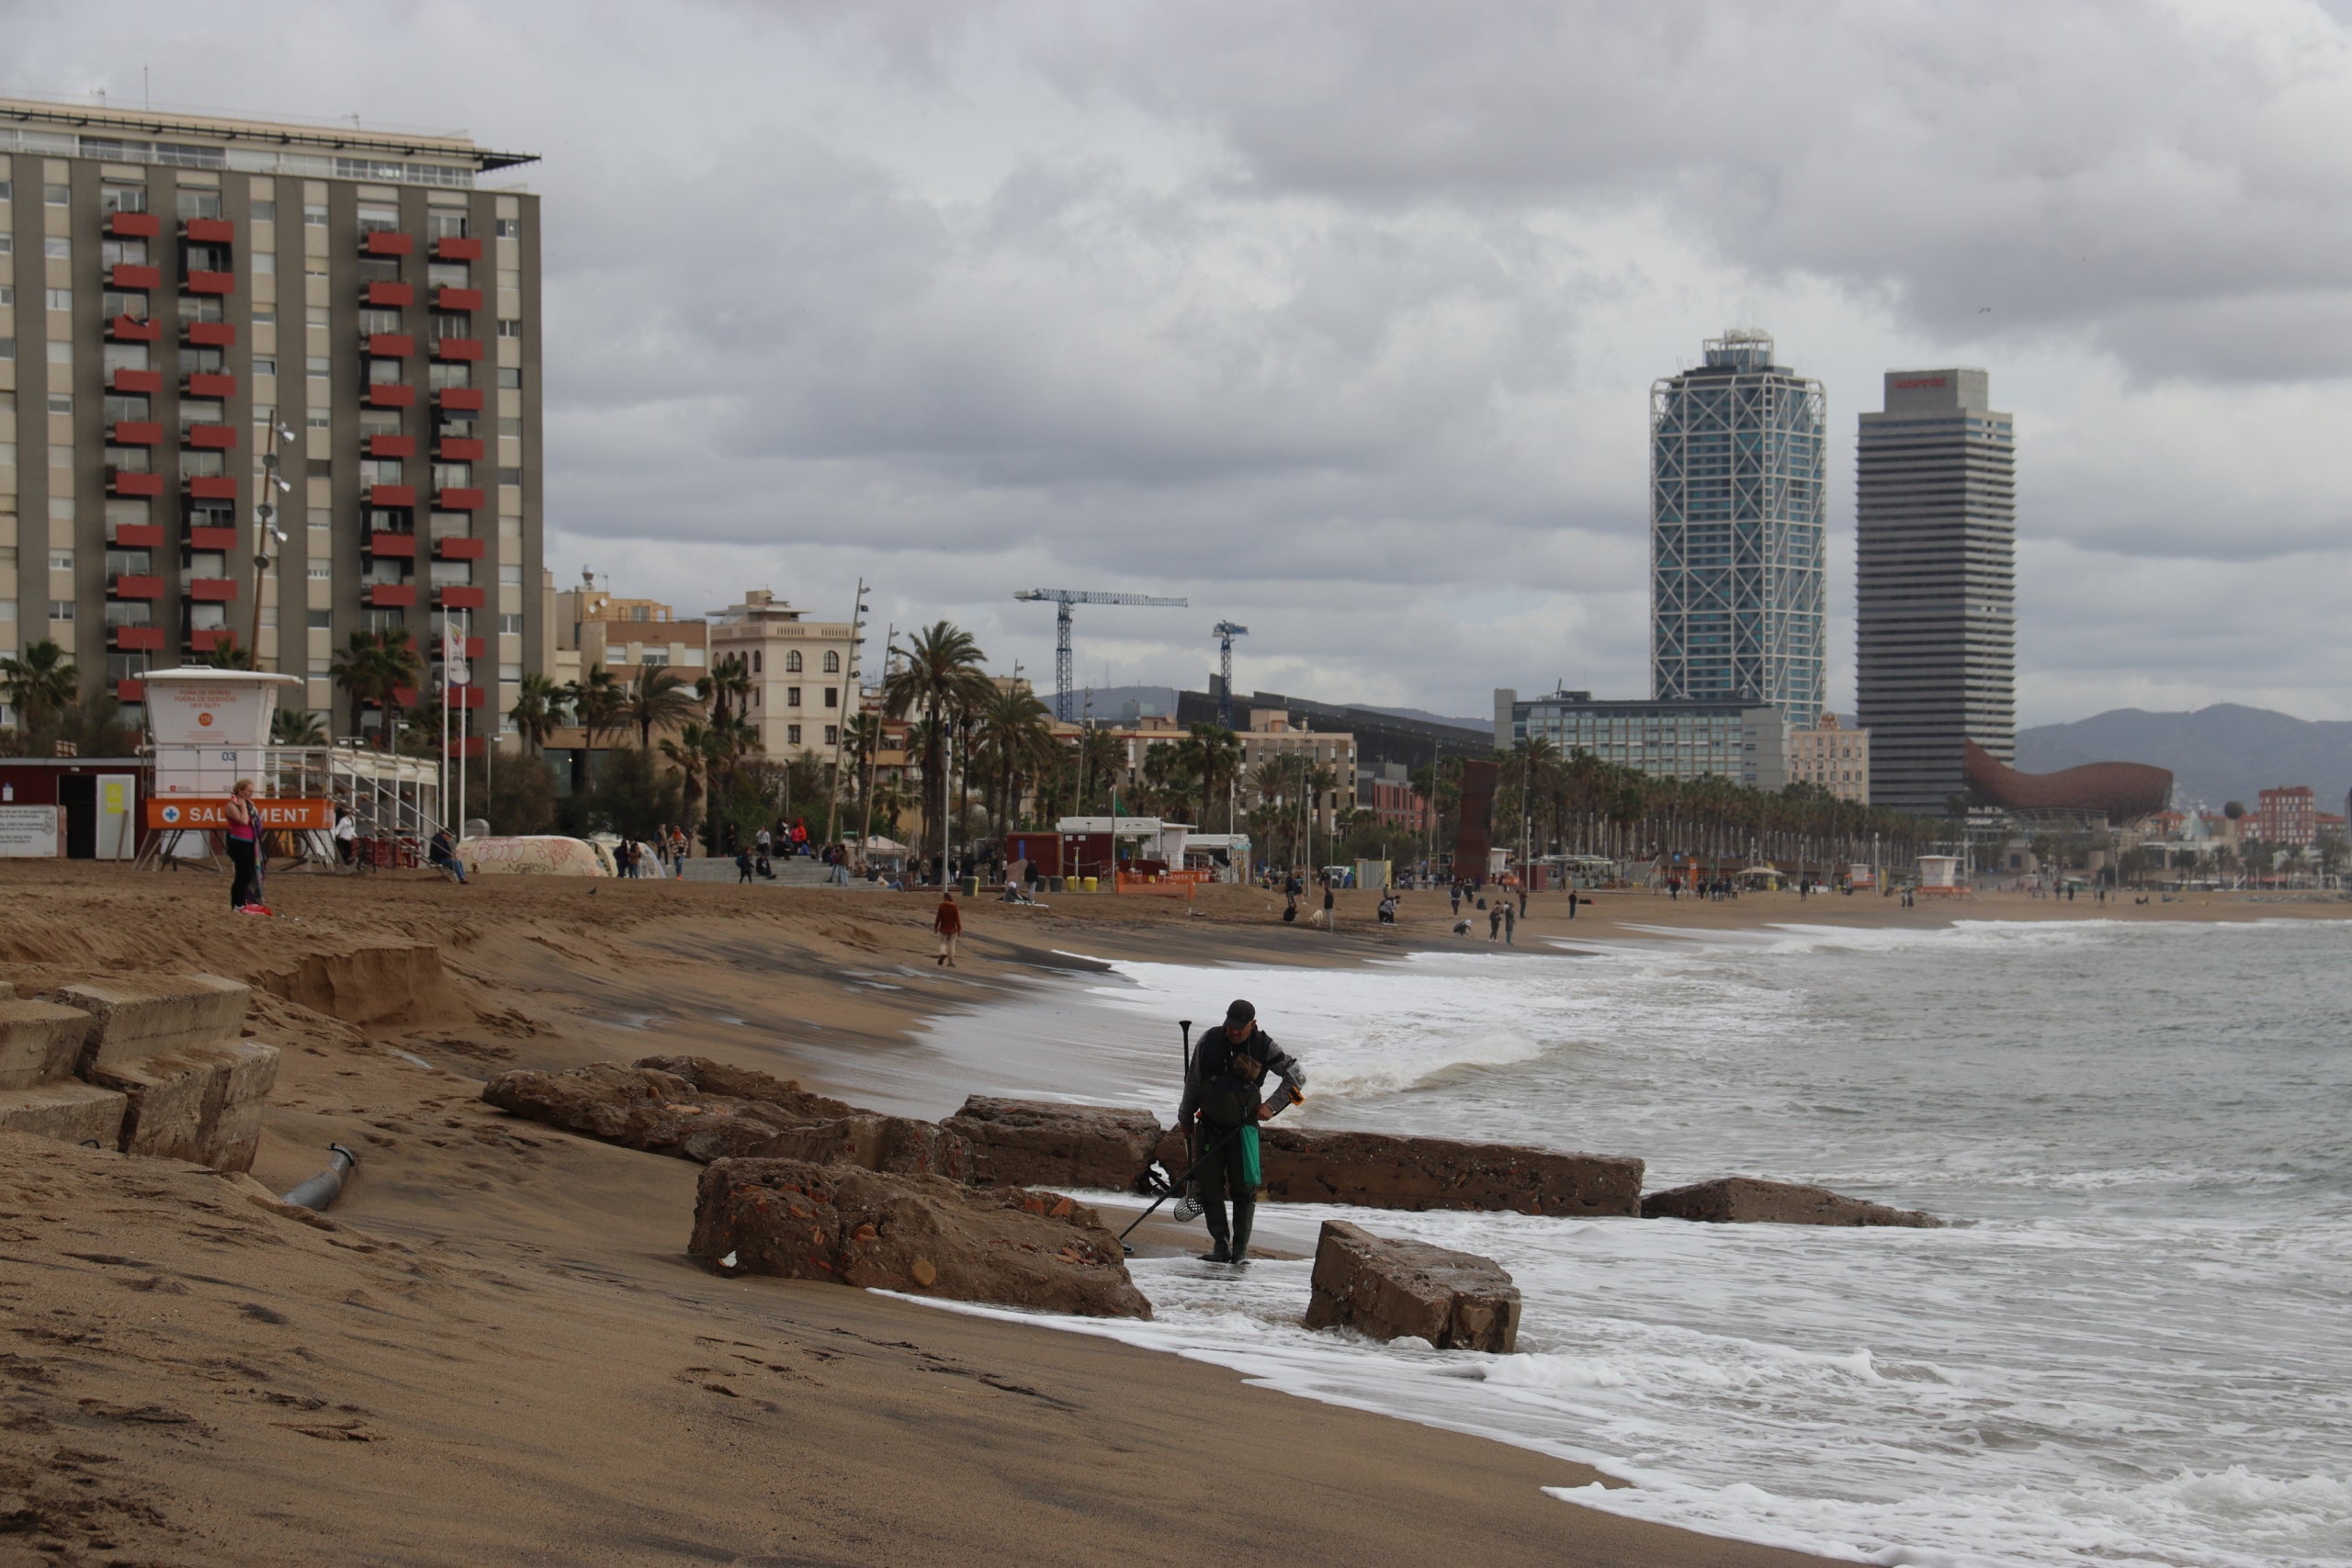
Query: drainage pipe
[[321, 1192]]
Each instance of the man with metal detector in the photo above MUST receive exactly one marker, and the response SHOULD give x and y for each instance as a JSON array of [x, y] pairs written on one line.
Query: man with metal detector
[[1219, 1117]]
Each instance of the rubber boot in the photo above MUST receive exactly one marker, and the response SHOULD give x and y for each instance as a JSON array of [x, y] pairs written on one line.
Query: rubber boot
[[1244, 1214], [1219, 1253]]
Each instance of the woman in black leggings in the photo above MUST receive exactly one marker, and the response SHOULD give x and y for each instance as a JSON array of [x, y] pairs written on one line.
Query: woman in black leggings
[[244, 844]]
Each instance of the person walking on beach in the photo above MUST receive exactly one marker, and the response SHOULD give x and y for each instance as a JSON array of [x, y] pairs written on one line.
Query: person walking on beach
[[1572, 903], [1522, 897], [1221, 1084], [244, 846], [1331, 921], [1495, 919], [949, 924], [1454, 892], [1511, 925]]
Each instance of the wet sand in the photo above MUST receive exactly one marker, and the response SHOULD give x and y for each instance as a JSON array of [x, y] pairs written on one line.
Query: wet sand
[[496, 1350]]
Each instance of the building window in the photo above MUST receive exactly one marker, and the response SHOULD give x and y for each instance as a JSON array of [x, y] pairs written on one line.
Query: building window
[[510, 626], [509, 228], [60, 402], [792, 664], [833, 696], [265, 212], [122, 198], [263, 365], [61, 609], [264, 262], [55, 195], [446, 225], [510, 327], [509, 475], [314, 214], [509, 376], [61, 298], [791, 697], [61, 560], [756, 662], [832, 735], [197, 203], [791, 732], [57, 248], [833, 662]]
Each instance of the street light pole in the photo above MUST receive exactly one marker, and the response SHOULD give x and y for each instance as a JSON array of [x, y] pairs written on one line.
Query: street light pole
[[265, 528]]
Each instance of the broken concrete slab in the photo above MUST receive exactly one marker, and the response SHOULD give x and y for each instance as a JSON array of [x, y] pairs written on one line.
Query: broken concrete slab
[[39, 1041], [1379, 1170], [1392, 1289], [1747, 1199], [72, 1112], [201, 1103], [135, 1016], [901, 1144], [1028, 1143]]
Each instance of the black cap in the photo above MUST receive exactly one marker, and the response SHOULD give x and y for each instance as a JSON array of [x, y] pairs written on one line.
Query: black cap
[[1240, 1012]]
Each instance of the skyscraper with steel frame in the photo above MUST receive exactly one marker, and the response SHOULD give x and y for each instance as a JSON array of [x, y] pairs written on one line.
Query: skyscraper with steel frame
[[1737, 542], [1934, 584]]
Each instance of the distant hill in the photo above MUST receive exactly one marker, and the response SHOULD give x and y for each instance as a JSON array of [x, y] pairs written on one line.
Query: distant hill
[[2216, 754]]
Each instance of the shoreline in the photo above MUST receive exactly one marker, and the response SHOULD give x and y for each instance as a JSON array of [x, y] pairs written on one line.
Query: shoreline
[[494, 1287]]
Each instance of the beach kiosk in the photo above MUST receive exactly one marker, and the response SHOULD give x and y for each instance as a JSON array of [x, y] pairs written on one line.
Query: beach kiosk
[[1939, 876]]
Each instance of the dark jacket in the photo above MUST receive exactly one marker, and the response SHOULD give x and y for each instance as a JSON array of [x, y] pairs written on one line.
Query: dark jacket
[[1225, 1075]]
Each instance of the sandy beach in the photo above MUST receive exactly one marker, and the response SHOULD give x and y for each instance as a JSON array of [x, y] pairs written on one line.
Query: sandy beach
[[496, 1349]]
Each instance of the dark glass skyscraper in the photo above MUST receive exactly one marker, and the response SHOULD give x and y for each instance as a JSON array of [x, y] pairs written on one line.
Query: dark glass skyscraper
[[1936, 526]]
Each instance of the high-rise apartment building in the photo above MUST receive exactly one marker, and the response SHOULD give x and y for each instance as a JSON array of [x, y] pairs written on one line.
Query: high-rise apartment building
[[1935, 585], [1737, 535], [175, 289]]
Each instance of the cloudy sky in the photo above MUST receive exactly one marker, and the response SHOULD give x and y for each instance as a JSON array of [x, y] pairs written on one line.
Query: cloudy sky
[[1340, 319]]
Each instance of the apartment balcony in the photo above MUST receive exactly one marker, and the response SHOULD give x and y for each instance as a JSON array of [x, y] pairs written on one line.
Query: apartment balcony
[[393, 545], [210, 437], [135, 639], [451, 247], [137, 537], [391, 596], [209, 334], [391, 395], [458, 398], [466, 500], [119, 482], [387, 345], [457, 549], [404, 695], [457, 299], [208, 283], [475, 646], [136, 383], [456, 348], [467, 696], [211, 487], [133, 329], [135, 433], [135, 585], [387, 296], [129, 275], [211, 590], [208, 231], [385, 243], [133, 226], [471, 745], [458, 449], [207, 384], [204, 639], [388, 447], [457, 597], [392, 495], [201, 536], [129, 689]]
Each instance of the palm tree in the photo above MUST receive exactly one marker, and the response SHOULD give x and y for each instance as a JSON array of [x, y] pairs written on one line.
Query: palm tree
[[595, 699], [941, 672], [40, 682], [1217, 753], [227, 655], [373, 667], [693, 753], [538, 708], [727, 689], [296, 726], [1015, 732], [660, 698]]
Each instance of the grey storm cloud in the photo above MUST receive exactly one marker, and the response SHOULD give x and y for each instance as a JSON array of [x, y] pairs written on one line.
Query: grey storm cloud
[[1340, 317]]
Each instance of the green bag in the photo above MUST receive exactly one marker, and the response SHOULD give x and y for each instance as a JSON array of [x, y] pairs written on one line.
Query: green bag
[[1251, 1178]]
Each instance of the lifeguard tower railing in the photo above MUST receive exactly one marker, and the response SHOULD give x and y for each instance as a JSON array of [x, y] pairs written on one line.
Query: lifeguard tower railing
[[395, 801]]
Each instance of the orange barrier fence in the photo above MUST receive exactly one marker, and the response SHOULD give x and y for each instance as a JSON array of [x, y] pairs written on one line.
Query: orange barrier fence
[[1169, 885]]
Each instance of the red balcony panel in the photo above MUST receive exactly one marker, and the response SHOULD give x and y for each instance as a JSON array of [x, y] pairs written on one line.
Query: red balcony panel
[[129, 275], [210, 283], [392, 545], [138, 536], [466, 697], [391, 395], [210, 437], [146, 383], [204, 639], [452, 248], [456, 598], [130, 689], [136, 585], [388, 346], [459, 398], [213, 589], [471, 745], [389, 296], [456, 348], [136, 433], [391, 495], [458, 449], [207, 231], [119, 483], [209, 334], [136, 640], [475, 646], [212, 486], [204, 538], [208, 383], [391, 446], [131, 329], [404, 695], [133, 226], [457, 500], [385, 242], [460, 550], [391, 596], [457, 299]]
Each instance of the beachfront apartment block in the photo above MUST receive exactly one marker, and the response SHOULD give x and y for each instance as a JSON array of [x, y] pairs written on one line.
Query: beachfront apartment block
[[174, 290], [1745, 741], [1832, 758], [1271, 736], [591, 627], [1738, 531], [805, 674], [2288, 815], [1934, 584]]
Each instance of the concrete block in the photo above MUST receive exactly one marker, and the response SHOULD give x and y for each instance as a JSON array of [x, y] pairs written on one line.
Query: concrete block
[[167, 1097], [143, 1015], [40, 1043], [1390, 1289], [70, 1112], [231, 1132]]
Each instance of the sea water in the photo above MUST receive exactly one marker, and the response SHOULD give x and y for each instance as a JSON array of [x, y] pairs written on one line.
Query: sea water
[[2133, 1343]]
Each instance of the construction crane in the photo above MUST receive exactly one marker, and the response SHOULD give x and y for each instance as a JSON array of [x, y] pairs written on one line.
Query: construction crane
[[1062, 599], [1225, 632]]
